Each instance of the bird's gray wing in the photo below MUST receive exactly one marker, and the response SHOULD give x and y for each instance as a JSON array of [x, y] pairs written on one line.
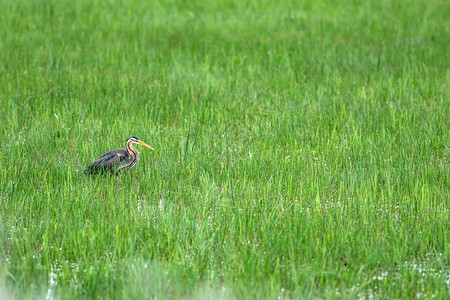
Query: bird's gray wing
[[108, 162]]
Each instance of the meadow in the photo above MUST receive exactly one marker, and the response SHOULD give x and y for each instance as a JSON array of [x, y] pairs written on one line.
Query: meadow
[[302, 149]]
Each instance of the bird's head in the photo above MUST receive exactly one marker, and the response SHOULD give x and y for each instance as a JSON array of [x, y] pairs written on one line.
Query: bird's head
[[135, 140]]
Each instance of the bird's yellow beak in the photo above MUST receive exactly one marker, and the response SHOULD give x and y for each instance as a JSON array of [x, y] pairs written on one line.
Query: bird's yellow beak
[[145, 145]]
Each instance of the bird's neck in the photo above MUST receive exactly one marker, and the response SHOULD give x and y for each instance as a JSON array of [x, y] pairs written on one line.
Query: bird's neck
[[133, 153]]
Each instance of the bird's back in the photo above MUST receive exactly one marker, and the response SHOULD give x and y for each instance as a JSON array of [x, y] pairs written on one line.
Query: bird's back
[[111, 161]]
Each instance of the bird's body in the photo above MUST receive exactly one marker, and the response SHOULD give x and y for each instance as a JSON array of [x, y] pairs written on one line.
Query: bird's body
[[116, 160]]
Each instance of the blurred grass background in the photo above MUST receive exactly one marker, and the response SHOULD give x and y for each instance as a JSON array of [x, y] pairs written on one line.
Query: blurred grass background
[[302, 149]]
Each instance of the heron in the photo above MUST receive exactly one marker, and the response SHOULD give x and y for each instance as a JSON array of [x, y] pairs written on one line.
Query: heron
[[116, 160]]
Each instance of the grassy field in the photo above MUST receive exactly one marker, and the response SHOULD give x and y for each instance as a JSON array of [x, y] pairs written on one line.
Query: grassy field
[[302, 149]]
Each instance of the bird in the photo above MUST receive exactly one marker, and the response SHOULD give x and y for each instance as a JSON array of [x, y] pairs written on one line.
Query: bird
[[116, 160]]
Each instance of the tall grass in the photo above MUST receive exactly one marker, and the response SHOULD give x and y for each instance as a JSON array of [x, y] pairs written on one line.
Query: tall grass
[[302, 149]]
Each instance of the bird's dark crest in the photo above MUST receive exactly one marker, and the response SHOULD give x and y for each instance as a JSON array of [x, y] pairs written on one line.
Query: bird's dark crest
[[133, 137]]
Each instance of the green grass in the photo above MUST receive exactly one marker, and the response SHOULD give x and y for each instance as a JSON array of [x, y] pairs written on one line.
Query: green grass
[[302, 149]]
